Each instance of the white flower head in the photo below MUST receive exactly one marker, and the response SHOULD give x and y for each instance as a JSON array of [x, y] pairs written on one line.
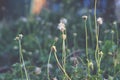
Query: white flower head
[[37, 70], [100, 20], [84, 17], [63, 20], [50, 65], [54, 78], [61, 27], [20, 36], [114, 22], [24, 19]]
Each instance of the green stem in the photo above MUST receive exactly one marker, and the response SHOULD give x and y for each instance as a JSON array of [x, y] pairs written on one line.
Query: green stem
[[47, 65], [86, 41], [22, 59], [49, 62], [61, 66]]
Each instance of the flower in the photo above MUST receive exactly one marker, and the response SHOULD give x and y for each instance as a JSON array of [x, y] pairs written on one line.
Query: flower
[[50, 65], [23, 19], [84, 17], [37, 70], [61, 27], [20, 36], [114, 22], [53, 48], [75, 34], [54, 78], [63, 20], [100, 20]]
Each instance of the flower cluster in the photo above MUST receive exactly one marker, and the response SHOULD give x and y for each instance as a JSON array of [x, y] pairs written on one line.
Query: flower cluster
[[61, 25]]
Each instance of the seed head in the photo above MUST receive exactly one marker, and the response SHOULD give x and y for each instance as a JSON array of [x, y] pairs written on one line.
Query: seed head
[[61, 27], [53, 48], [100, 20], [20, 36], [63, 20], [75, 34], [112, 31], [84, 17], [54, 78], [114, 22], [56, 39], [100, 53], [16, 38], [37, 70]]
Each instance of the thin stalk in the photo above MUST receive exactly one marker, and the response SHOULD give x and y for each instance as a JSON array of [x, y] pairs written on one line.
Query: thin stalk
[[47, 65], [21, 56], [96, 28], [49, 62], [61, 66], [21, 67], [86, 41]]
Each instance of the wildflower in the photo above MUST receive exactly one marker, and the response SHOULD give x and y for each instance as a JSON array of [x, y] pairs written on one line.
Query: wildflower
[[112, 31], [100, 20], [30, 53], [24, 19], [100, 53], [61, 27], [84, 17], [54, 78], [110, 53], [63, 20], [53, 48], [63, 36], [90, 64], [49, 66], [100, 42], [16, 38], [73, 59], [114, 22], [75, 34], [37, 70], [56, 39], [15, 47], [23, 50], [20, 36]]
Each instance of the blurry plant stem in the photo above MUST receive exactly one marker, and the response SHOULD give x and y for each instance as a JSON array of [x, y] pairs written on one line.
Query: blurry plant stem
[[64, 71], [49, 62], [63, 51], [22, 60], [86, 49], [97, 46], [75, 45], [92, 39], [114, 54], [117, 37]]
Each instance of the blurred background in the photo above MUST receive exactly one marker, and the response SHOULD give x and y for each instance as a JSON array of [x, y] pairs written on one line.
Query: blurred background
[[37, 20]]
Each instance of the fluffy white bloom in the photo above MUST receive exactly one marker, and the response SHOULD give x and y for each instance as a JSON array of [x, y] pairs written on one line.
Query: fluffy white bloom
[[37, 70], [61, 27], [23, 19], [55, 78], [84, 17], [49, 66], [63, 20], [100, 20]]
